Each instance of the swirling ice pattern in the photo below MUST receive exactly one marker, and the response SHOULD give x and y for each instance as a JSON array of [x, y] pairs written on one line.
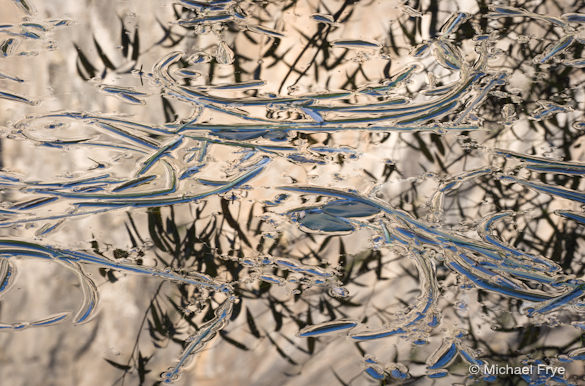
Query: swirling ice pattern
[[161, 178]]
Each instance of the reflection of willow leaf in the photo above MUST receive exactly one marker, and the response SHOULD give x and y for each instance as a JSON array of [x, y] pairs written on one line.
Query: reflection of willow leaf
[[329, 308], [169, 111], [409, 34], [142, 371], [321, 34], [422, 147], [311, 345], [293, 343], [250, 38], [172, 230], [386, 70], [338, 61], [350, 82], [437, 140], [393, 45], [154, 313], [252, 323], [276, 315], [325, 243], [339, 379], [155, 228], [107, 62], [135, 46], [124, 39], [25, 6], [181, 311], [232, 222], [90, 70], [279, 350], [434, 10], [232, 341], [238, 70], [271, 51], [134, 227], [117, 365], [168, 35]]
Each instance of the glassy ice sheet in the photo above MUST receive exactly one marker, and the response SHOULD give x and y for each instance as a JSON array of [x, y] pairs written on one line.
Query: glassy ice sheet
[[294, 192]]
